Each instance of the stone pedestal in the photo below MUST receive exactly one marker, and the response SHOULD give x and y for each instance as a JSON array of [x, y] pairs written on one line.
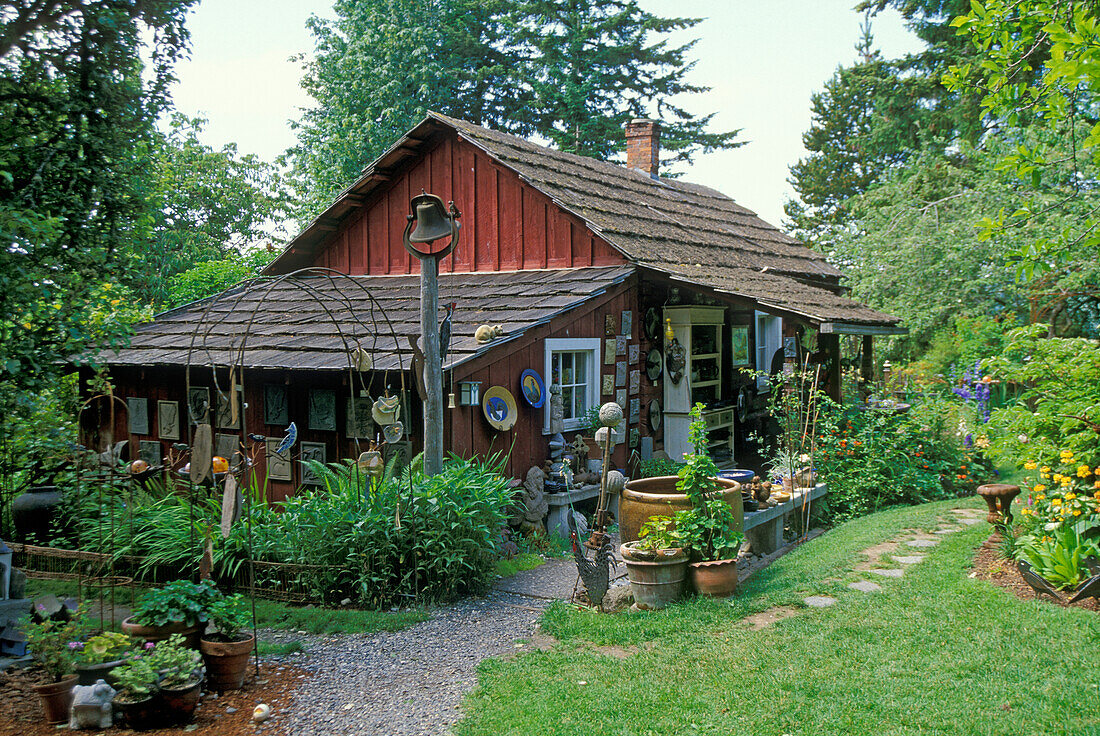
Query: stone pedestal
[[998, 497]]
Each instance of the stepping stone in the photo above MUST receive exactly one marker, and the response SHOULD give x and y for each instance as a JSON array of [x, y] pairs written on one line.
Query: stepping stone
[[923, 543], [889, 573], [969, 521], [946, 531], [819, 601], [910, 560], [865, 586]]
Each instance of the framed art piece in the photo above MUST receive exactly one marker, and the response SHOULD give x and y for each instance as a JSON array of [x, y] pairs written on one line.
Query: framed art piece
[[633, 352], [635, 436], [276, 410], [627, 323], [278, 466], [359, 423], [168, 420], [608, 384], [149, 451], [322, 409], [620, 345], [198, 405], [226, 445], [635, 410], [739, 345], [609, 351], [635, 381], [311, 451], [225, 413], [609, 324], [138, 411], [620, 373]]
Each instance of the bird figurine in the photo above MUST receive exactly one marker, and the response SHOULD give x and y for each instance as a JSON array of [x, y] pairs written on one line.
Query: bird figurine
[[445, 333], [289, 440], [1089, 589], [1037, 583], [596, 573]]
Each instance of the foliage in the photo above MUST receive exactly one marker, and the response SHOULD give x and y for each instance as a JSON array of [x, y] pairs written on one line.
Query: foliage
[[657, 467], [658, 532], [178, 602], [54, 644], [106, 647], [569, 72], [1058, 405], [589, 422], [208, 278], [1058, 556], [177, 665], [135, 679], [230, 615]]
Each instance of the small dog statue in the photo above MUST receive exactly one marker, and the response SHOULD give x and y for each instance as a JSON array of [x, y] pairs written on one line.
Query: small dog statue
[[91, 706]]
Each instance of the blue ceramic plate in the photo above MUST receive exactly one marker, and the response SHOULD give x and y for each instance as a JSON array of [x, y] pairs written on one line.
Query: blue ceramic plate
[[499, 407], [532, 388]]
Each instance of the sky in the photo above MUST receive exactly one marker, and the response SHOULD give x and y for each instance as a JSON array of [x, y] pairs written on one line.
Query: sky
[[762, 60]]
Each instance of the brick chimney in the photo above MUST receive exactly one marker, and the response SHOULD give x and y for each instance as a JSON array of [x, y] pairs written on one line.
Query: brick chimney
[[643, 145]]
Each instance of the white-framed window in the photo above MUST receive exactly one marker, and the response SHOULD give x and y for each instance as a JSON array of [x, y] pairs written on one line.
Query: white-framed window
[[572, 363], [769, 338]]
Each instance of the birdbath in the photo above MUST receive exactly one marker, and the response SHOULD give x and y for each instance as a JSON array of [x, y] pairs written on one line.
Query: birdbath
[[998, 496]]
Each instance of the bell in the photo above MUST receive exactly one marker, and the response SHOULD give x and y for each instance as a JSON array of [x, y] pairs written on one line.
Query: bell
[[432, 221]]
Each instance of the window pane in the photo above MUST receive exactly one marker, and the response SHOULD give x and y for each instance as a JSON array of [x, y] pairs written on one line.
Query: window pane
[[567, 402], [567, 368]]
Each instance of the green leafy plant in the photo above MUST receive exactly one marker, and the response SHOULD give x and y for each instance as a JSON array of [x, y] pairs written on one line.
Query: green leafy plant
[[1058, 557], [106, 647], [178, 602], [658, 532], [54, 644], [174, 663], [135, 680], [230, 616], [590, 422], [657, 467]]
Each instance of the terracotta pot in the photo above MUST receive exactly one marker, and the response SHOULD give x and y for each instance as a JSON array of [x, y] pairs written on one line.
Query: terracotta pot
[[191, 634], [180, 703], [648, 497], [717, 579], [140, 715], [57, 698], [658, 581], [226, 662], [89, 673]]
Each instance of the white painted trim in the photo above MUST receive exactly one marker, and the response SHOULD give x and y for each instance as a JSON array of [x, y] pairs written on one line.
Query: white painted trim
[[591, 345], [771, 341]]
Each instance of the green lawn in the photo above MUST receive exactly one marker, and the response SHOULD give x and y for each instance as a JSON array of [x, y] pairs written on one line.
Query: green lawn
[[934, 653]]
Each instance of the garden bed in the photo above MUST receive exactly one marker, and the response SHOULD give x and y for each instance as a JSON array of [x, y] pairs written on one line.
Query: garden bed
[[989, 565]]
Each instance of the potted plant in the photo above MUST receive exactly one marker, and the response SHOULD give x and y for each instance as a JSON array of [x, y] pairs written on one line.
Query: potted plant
[[226, 651], [710, 527], [54, 644], [98, 656], [179, 670], [656, 564], [180, 607], [136, 700]]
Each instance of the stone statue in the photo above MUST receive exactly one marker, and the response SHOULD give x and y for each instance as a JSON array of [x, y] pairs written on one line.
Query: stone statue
[[91, 706], [533, 497], [557, 413], [580, 451]]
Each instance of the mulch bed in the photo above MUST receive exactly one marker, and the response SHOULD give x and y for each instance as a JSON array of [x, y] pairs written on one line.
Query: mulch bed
[[21, 710], [989, 565]]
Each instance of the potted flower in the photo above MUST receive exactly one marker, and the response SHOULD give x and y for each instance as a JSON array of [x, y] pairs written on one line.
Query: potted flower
[[99, 655], [710, 527], [136, 700], [656, 564], [179, 670], [54, 645], [180, 607], [226, 651]]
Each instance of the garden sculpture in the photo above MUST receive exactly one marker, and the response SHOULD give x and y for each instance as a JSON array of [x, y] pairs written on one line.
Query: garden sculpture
[[1089, 589], [91, 706], [596, 573], [998, 497]]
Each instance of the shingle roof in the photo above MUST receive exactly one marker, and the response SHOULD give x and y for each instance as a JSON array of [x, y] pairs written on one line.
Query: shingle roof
[[313, 320]]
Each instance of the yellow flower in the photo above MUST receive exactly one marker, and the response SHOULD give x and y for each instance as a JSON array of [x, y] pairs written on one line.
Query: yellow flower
[[1025, 512], [1044, 469], [1083, 471], [1066, 453], [1071, 496], [1066, 481], [1058, 477], [1096, 471], [1055, 502], [1039, 488], [116, 302], [1030, 465], [1040, 497], [1077, 512]]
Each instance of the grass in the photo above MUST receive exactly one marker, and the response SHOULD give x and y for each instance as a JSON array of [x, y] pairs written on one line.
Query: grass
[[506, 568], [935, 652], [271, 649]]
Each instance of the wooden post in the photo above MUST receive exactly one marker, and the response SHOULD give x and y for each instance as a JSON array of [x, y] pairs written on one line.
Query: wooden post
[[831, 345], [867, 368], [433, 368]]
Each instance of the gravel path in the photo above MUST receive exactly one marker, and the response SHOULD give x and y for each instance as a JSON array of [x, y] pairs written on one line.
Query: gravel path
[[408, 682]]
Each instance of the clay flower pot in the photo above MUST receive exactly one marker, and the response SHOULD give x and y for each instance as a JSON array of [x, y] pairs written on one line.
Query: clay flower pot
[[57, 698], [648, 497], [180, 703], [226, 662], [140, 715], [716, 579], [89, 673], [191, 634], [656, 578]]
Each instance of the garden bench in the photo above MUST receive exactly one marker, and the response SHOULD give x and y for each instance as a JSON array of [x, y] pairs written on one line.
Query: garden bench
[[764, 529]]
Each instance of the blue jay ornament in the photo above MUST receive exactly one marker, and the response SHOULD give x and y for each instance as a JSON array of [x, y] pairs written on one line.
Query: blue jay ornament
[[289, 440]]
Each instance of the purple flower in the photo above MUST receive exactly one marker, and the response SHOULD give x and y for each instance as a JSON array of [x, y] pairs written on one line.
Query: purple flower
[[968, 441], [75, 645], [149, 645]]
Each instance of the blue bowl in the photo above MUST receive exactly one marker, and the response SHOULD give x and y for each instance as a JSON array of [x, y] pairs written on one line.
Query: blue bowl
[[741, 475]]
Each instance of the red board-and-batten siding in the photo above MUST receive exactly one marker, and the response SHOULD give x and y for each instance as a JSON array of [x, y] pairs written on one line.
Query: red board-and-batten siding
[[507, 225]]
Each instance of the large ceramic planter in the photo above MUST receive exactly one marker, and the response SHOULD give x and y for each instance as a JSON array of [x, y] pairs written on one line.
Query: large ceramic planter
[[57, 698], [33, 513], [226, 662], [180, 703], [87, 674], [140, 715], [648, 497], [191, 634], [717, 579], [657, 580]]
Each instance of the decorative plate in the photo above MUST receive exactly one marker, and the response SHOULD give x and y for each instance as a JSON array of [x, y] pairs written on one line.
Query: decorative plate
[[653, 364], [652, 324], [655, 415], [532, 388], [499, 407]]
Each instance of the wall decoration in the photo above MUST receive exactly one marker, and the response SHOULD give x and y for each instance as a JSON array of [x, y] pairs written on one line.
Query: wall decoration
[[311, 451], [609, 346], [652, 324], [149, 451], [627, 323], [633, 352], [635, 410], [609, 324], [278, 466], [225, 410], [226, 445], [676, 359], [653, 364], [620, 398], [608, 384], [322, 409], [790, 347], [635, 436], [359, 424], [168, 420], [620, 345], [620, 373], [276, 410], [499, 407], [739, 345], [532, 388], [198, 405], [655, 414], [138, 412], [635, 381]]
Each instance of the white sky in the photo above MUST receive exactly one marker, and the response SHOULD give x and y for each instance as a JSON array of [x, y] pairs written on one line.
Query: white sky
[[761, 58]]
